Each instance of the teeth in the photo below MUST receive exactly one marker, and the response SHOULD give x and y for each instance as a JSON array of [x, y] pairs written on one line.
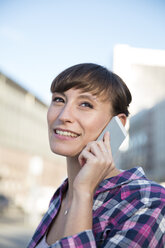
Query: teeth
[[64, 133]]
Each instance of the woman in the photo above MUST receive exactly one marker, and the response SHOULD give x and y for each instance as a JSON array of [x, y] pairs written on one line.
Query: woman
[[98, 205]]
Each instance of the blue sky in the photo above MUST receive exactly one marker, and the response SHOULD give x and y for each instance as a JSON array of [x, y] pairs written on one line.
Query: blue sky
[[38, 39]]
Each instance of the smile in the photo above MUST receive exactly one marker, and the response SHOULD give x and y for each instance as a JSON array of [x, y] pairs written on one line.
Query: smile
[[66, 133]]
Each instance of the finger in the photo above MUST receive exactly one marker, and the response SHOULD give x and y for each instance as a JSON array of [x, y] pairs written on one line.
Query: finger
[[84, 157], [103, 148], [106, 140], [94, 149], [101, 152], [106, 152]]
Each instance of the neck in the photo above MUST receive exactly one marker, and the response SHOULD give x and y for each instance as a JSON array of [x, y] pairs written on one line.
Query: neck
[[73, 168]]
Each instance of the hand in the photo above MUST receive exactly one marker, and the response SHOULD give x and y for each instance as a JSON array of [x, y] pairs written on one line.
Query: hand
[[96, 162]]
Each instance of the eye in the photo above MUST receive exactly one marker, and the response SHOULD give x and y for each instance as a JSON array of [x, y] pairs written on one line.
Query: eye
[[87, 104], [58, 99]]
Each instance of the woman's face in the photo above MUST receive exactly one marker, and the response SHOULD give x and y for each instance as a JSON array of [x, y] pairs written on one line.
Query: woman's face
[[74, 119]]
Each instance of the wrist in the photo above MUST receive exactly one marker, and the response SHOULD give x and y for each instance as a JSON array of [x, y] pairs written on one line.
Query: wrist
[[82, 195], [83, 189]]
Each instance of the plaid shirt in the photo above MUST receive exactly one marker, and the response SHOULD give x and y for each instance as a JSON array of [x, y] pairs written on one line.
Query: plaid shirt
[[128, 211]]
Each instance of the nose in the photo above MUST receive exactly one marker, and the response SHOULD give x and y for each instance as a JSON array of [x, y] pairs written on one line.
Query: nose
[[67, 114]]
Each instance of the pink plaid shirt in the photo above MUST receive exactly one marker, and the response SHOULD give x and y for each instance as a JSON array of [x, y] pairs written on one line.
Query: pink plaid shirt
[[128, 211]]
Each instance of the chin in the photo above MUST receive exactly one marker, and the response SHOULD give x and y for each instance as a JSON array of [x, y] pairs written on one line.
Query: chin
[[65, 153]]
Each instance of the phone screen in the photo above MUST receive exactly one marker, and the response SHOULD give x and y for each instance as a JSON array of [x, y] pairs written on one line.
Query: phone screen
[[117, 134]]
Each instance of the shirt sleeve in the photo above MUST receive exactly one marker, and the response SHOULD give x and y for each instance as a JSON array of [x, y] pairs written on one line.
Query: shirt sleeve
[[144, 229], [83, 239]]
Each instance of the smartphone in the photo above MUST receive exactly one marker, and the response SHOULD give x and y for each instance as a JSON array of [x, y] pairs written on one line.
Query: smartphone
[[117, 132]]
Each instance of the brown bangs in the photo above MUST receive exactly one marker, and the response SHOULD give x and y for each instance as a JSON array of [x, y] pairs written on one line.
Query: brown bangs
[[99, 81], [86, 79]]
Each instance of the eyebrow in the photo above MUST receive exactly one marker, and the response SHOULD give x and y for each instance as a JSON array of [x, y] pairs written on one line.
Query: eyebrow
[[82, 96], [90, 97]]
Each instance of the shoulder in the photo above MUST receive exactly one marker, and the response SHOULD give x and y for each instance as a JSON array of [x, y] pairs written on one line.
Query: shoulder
[[129, 209], [143, 193], [143, 188], [134, 195]]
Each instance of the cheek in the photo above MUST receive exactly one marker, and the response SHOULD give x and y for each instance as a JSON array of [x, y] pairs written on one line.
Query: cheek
[[95, 126], [49, 118], [48, 115], [51, 115]]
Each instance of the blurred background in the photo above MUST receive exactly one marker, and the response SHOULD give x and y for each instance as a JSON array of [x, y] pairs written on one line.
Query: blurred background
[[39, 39]]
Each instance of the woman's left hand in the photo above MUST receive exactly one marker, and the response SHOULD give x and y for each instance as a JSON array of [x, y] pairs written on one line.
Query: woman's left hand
[[96, 162]]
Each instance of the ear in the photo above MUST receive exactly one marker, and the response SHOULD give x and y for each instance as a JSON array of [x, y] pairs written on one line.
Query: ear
[[123, 118]]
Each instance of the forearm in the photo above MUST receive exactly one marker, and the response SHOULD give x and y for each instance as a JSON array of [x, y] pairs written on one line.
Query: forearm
[[80, 214]]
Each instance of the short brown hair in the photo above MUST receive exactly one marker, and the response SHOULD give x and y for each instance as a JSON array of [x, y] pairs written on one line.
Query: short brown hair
[[99, 81]]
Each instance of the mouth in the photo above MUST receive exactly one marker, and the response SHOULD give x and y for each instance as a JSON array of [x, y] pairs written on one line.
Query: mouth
[[66, 133]]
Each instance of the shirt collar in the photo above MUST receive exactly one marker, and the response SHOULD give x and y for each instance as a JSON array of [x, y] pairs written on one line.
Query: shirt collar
[[123, 178], [113, 182]]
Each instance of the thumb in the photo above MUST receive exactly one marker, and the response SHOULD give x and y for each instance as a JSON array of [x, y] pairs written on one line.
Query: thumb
[[106, 140]]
